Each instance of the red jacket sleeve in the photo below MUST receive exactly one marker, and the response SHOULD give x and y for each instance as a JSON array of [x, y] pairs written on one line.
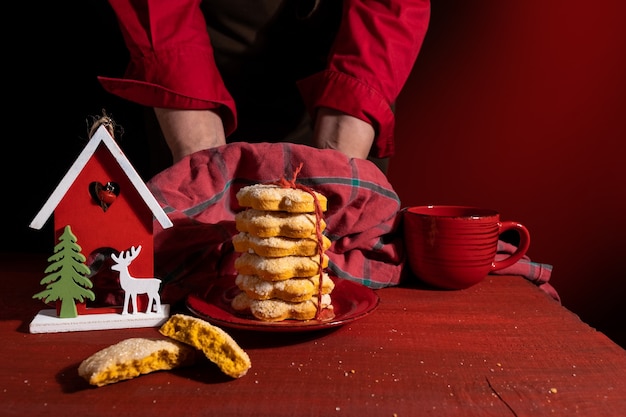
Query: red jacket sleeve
[[171, 59], [372, 57], [172, 64]]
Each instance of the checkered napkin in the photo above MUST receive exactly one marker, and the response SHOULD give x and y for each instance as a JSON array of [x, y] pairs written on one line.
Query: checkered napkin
[[199, 195], [535, 272]]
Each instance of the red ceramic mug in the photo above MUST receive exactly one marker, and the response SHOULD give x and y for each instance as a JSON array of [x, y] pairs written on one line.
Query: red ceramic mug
[[454, 247]]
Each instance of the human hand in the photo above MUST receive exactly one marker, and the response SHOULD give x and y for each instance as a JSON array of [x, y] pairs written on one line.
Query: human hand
[[189, 131], [342, 132]]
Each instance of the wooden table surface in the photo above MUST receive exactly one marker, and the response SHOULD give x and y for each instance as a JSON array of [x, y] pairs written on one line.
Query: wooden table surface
[[500, 348]]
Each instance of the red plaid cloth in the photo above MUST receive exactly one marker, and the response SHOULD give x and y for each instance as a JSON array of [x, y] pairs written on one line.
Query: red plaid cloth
[[198, 193], [535, 272]]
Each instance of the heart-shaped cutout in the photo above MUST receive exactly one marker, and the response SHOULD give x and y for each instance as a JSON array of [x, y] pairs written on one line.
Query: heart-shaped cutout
[[104, 194]]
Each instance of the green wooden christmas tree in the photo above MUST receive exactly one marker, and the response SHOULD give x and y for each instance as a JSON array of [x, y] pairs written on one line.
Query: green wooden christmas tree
[[67, 278]]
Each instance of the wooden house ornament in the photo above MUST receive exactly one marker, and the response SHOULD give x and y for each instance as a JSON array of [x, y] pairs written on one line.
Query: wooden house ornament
[[106, 211]]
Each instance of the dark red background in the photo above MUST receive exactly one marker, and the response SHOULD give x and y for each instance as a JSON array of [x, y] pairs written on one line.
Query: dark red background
[[518, 105], [521, 106]]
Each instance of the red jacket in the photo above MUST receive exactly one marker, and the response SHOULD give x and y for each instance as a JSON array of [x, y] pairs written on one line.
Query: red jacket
[[172, 64]]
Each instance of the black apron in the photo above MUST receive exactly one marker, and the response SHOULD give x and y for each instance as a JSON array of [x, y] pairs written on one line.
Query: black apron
[[262, 48]]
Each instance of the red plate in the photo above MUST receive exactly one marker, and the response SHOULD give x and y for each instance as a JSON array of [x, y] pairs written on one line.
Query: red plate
[[351, 301]]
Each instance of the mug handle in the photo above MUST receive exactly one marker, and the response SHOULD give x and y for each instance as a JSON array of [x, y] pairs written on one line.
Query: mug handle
[[522, 248]]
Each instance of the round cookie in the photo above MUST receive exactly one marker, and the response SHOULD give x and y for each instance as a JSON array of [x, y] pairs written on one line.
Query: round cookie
[[293, 290], [277, 223], [278, 269], [133, 357], [278, 310], [278, 246], [271, 197], [217, 345]]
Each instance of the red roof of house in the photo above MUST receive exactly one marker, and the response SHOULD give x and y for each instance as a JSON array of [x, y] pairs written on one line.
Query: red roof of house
[[101, 136]]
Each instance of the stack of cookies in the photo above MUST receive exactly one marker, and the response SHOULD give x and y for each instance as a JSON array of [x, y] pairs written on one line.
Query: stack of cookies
[[282, 254]]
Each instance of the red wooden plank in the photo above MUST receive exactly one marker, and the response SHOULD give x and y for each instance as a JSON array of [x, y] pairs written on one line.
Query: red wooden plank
[[502, 347]]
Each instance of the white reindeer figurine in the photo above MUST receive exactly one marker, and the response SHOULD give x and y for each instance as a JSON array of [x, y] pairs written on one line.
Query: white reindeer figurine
[[134, 286]]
